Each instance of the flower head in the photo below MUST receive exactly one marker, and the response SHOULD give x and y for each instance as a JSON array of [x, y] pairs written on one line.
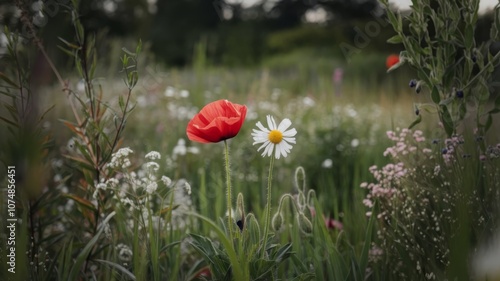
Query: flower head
[[391, 60], [217, 121], [276, 138]]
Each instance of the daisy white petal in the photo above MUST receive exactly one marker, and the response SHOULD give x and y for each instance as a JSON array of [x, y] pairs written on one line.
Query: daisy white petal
[[290, 133], [285, 123], [271, 123]]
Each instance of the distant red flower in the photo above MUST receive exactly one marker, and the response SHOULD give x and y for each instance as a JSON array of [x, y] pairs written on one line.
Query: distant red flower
[[391, 60], [333, 224], [217, 121], [204, 273]]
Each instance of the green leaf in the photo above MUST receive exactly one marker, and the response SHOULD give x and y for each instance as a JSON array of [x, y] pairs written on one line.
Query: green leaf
[[447, 101], [489, 122], [394, 67], [118, 267], [93, 66], [392, 19], [396, 39], [71, 45], [7, 80], [81, 201], [449, 75], [447, 120], [80, 259], [462, 110], [9, 122], [435, 95], [128, 52], [469, 36], [236, 268], [138, 49]]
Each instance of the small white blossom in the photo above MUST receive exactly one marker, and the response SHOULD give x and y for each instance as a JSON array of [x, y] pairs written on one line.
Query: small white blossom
[[152, 165], [187, 187], [166, 180], [153, 155], [151, 187]]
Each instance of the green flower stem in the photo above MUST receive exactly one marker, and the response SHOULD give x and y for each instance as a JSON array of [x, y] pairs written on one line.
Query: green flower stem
[[268, 214], [228, 191]]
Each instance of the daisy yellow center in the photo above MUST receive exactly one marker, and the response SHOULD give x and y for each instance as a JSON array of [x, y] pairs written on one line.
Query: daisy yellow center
[[275, 136]]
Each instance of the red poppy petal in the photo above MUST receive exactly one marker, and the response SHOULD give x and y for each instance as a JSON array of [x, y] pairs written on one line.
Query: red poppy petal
[[216, 121]]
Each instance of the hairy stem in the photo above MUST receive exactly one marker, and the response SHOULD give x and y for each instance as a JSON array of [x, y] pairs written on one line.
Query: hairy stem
[[228, 191], [268, 213]]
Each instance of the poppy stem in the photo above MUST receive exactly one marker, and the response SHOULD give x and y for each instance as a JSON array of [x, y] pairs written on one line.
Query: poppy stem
[[268, 214], [228, 191]]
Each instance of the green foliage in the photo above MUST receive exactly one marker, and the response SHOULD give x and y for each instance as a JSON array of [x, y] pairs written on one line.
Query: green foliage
[[441, 47]]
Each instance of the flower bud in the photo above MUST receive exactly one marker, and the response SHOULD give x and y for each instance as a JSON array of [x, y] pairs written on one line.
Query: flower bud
[[240, 212], [412, 83], [253, 229], [277, 222], [418, 87], [305, 224], [460, 94]]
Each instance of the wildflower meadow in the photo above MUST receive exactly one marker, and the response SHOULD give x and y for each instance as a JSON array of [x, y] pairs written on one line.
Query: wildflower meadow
[[146, 172]]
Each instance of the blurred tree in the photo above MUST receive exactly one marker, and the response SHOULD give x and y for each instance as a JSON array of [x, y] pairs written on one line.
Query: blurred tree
[[288, 13], [350, 9], [179, 24]]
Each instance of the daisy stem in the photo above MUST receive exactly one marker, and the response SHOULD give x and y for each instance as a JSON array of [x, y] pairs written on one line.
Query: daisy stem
[[228, 191], [268, 214]]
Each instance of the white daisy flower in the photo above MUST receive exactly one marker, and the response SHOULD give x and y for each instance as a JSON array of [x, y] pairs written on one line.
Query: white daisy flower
[[276, 138]]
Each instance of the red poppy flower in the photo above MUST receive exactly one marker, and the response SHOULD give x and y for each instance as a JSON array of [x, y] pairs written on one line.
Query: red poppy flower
[[217, 121], [391, 60]]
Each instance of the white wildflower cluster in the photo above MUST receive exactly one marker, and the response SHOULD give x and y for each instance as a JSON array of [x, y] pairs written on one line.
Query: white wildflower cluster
[[139, 191], [166, 180], [181, 112], [172, 92], [153, 155], [120, 159], [157, 222], [181, 149], [124, 252]]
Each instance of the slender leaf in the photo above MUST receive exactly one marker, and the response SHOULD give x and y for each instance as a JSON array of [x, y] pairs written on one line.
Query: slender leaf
[[118, 267], [80, 259]]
